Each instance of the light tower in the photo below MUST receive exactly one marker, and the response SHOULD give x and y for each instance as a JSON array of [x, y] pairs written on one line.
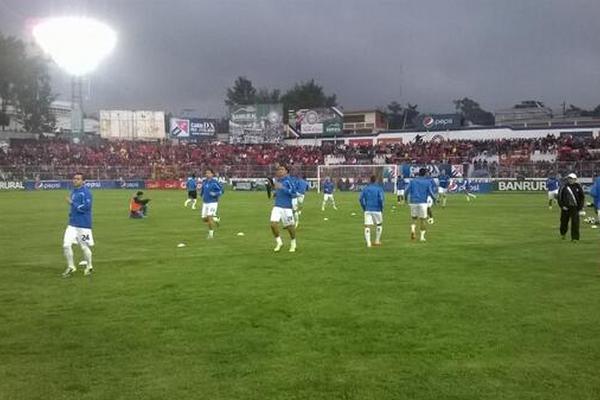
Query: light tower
[[77, 45]]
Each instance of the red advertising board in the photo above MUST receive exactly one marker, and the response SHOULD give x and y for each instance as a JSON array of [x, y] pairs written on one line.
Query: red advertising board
[[165, 184], [360, 142]]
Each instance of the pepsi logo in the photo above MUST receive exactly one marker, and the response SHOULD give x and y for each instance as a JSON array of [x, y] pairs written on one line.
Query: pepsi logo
[[428, 121]]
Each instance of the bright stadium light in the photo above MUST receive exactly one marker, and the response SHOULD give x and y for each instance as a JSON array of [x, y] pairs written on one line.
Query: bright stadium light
[[76, 44]]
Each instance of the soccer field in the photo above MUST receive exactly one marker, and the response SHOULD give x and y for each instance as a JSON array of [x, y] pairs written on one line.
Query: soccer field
[[493, 306]]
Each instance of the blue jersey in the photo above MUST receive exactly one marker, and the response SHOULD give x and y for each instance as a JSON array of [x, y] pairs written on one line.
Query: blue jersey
[[301, 185], [211, 191], [285, 194], [552, 184], [419, 189], [80, 214], [371, 198], [444, 181], [595, 193], [434, 188], [401, 184], [328, 187], [191, 184]]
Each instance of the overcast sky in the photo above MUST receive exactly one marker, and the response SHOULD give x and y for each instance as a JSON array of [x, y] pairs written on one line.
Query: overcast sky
[[179, 54]]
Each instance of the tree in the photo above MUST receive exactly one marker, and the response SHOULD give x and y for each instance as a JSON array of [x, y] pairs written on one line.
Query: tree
[[24, 85], [34, 97], [307, 95], [473, 112], [12, 55], [242, 92], [264, 96], [400, 117]]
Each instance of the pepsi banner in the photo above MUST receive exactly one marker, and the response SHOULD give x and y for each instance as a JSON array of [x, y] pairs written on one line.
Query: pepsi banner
[[439, 122], [476, 186], [92, 184]]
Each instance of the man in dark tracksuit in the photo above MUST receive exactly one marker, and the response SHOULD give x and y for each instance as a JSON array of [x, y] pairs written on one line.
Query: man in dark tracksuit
[[571, 199]]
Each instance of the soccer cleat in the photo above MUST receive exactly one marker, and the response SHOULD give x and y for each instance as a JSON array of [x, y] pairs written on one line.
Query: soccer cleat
[[422, 240], [292, 249], [278, 247], [369, 245], [377, 244], [88, 271], [68, 272]]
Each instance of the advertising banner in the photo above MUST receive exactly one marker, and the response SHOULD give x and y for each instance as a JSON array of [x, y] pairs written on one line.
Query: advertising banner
[[11, 185], [260, 123], [438, 122], [164, 184], [327, 121], [92, 184], [192, 128], [477, 185]]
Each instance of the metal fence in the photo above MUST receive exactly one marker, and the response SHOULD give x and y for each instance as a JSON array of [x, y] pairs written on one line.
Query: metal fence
[[30, 172]]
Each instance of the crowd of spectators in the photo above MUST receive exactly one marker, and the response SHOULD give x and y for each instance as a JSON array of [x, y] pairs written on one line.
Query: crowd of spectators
[[129, 159]]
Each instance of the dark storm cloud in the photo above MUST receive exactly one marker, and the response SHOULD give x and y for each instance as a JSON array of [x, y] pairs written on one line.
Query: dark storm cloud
[[184, 54]]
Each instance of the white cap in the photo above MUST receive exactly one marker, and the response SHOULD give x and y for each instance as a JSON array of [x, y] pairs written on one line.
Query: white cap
[[572, 176]]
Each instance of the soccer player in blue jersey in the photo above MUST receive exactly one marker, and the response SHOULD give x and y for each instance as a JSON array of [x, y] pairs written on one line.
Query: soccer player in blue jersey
[[328, 189], [400, 187], [79, 230], [191, 185], [552, 185], [282, 211], [417, 192], [466, 187], [443, 183], [211, 191], [371, 200], [301, 185]]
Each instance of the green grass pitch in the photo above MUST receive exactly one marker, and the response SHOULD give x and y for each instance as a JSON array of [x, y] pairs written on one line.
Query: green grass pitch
[[493, 306]]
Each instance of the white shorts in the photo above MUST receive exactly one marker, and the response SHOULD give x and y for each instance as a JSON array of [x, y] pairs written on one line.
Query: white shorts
[[300, 199], [373, 217], [327, 197], [295, 204], [552, 194], [283, 215], [80, 236], [442, 190], [400, 192], [418, 210], [209, 209]]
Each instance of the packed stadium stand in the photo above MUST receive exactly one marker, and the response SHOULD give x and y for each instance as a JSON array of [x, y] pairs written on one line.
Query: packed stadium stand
[[56, 158]]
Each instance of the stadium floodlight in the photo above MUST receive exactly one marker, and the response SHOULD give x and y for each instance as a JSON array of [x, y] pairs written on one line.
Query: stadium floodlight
[[76, 44]]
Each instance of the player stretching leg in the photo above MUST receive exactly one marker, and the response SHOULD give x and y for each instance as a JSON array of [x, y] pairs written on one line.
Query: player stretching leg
[[552, 184], [371, 201], [328, 189], [191, 187], [467, 189], [211, 191], [417, 192], [444, 182], [282, 210], [79, 230]]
